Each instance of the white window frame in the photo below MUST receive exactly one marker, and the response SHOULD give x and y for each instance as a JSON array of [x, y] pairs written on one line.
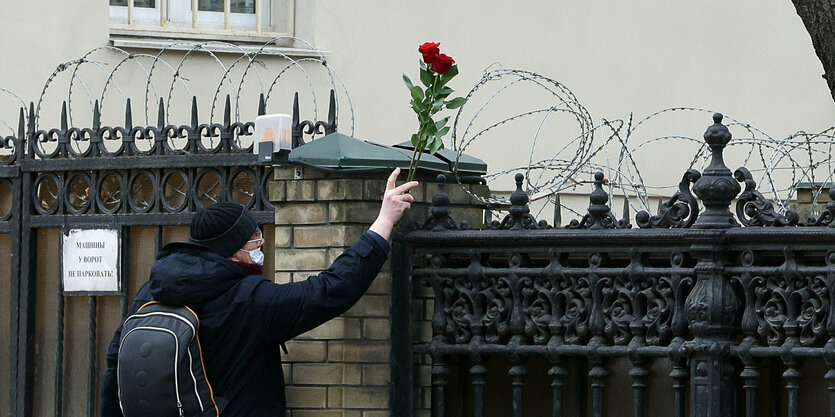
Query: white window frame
[[142, 16], [180, 18]]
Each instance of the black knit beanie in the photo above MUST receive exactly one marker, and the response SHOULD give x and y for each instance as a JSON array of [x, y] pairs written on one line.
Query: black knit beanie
[[222, 227]]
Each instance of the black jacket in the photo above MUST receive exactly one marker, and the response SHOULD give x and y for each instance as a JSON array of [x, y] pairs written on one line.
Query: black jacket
[[244, 318]]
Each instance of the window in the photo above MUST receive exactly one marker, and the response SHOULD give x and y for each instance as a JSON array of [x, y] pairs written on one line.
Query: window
[[264, 18]]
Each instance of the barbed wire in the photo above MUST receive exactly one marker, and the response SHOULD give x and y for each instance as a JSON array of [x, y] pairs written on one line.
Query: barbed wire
[[611, 145], [573, 150], [110, 61]]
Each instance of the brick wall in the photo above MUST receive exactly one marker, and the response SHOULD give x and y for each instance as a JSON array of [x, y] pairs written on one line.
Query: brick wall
[[342, 367]]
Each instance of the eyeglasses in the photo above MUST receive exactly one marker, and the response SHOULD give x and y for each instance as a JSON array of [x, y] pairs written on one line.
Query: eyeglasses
[[259, 237]]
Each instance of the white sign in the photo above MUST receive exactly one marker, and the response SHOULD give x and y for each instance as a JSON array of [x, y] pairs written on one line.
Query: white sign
[[91, 261]]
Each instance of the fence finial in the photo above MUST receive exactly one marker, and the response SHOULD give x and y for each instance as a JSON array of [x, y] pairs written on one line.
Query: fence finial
[[227, 111], [519, 201], [96, 116], [440, 202], [21, 125], [296, 127], [64, 122], [194, 120], [128, 116], [624, 223], [30, 132], [440, 217], [331, 126], [262, 105], [717, 187], [161, 114], [520, 216], [601, 214]]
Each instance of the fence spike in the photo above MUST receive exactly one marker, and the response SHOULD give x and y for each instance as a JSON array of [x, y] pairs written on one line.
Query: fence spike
[[30, 133], [557, 210], [96, 116], [625, 208], [194, 121], [295, 110], [331, 114], [32, 117], [262, 105], [128, 116], [623, 223], [295, 127], [64, 122], [21, 124], [161, 114], [227, 111]]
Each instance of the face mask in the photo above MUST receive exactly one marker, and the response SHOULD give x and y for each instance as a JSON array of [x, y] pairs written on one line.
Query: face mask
[[256, 256]]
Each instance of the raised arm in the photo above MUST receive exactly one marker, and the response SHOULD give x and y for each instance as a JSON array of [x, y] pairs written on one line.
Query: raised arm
[[292, 309]]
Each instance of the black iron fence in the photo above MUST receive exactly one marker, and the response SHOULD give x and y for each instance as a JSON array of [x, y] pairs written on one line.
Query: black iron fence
[[146, 182], [690, 315]]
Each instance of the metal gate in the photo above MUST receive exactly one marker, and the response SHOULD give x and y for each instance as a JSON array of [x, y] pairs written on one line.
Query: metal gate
[[144, 181]]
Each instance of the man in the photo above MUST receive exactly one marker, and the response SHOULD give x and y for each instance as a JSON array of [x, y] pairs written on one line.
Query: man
[[244, 317]]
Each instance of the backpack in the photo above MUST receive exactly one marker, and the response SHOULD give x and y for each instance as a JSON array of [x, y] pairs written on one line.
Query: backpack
[[160, 370]]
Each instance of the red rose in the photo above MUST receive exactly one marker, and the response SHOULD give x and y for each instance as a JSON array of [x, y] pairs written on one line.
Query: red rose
[[430, 51], [442, 63]]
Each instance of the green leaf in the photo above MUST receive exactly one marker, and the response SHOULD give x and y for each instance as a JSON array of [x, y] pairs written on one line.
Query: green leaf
[[418, 107], [456, 103], [430, 128], [415, 140], [424, 118], [408, 82], [436, 145], [417, 93], [453, 71], [426, 77], [441, 123], [443, 92], [441, 132]]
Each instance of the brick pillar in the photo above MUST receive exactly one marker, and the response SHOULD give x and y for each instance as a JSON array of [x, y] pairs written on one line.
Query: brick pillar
[[342, 367], [804, 204]]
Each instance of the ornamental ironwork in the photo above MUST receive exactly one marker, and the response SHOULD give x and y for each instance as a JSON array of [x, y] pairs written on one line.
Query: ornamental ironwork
[[115, 177], [720, 305]]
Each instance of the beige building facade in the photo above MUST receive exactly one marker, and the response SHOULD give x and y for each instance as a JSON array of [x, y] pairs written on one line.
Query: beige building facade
[[751, 60]]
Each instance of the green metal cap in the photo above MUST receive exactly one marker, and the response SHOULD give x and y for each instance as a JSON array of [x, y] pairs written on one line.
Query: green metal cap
[[467, 165], [338, 151]]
